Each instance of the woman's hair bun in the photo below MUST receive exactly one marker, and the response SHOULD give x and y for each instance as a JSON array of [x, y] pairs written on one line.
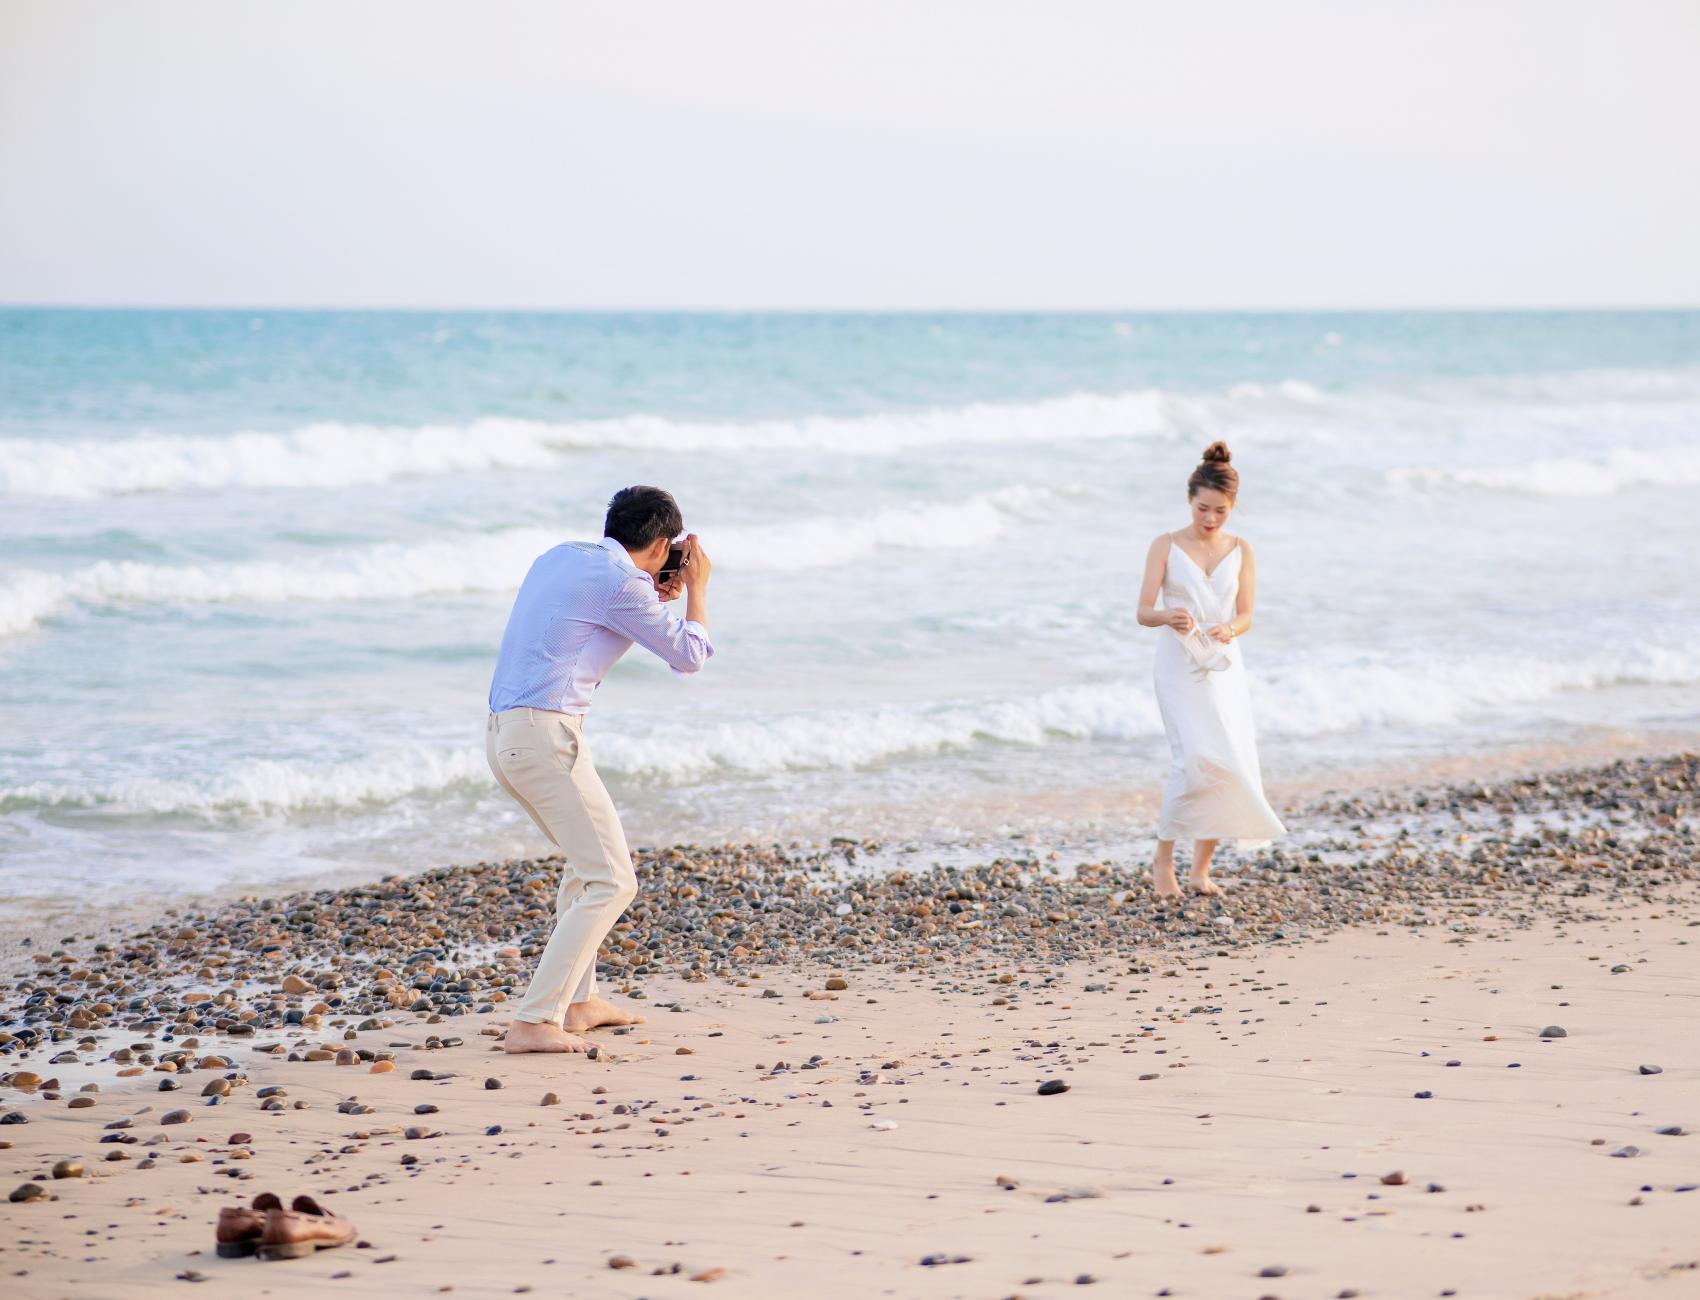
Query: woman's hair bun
[[1217, 453]]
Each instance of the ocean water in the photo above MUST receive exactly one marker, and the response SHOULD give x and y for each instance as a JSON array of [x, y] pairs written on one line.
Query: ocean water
[[254, 565]]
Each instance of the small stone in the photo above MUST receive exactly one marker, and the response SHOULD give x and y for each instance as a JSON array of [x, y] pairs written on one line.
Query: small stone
[[1422, 1096], [837, 984], [621, 1261], [551, 1099], [1052, 1087], [80, 1103], [175, 1117], [295, 984], [424, 1108], [1672, 1131], [1007, 1183], [1651, 1069], [1627, 1152], [14, 1117], [1272, 1270], [382, 1067], [239, 1139], [493, 1084], [1395, 1179], [68, 1169], [28, 1192], [216, 1088], [1554, 1031], [709, 1275]]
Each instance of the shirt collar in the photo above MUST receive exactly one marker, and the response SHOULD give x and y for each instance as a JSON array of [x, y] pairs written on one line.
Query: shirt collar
[[622, 556]]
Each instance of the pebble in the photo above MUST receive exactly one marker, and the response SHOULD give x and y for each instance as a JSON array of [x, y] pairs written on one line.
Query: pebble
[[1395, 1179], [176, 1117], [551, 1099], [28, 1192], [1051, 1087], [1554, 1031], [68, 1169], [1651, 1069]]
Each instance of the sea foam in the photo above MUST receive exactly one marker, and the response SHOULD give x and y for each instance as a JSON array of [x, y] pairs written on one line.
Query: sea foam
[[1621, 470], [497, 561], [332, 455], [1304, 700]]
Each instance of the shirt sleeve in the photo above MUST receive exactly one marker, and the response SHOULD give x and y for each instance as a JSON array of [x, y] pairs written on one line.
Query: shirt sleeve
[[636, 611]]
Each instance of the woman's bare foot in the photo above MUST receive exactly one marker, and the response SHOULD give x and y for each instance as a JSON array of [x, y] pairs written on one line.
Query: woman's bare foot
[[597, 1013], [525, 1036], [1163, 871], [1203, 885]]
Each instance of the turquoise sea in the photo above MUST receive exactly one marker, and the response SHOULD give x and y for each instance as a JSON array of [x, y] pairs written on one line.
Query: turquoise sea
[[254, 565]]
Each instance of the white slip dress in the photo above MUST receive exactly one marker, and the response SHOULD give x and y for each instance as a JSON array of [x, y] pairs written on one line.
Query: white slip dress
[[1215, 789]]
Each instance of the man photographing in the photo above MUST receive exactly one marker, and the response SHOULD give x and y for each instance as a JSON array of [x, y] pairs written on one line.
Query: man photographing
[[580, 608]]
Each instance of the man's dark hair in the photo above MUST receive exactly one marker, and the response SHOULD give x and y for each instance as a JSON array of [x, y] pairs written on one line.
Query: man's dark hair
[[639, 515]]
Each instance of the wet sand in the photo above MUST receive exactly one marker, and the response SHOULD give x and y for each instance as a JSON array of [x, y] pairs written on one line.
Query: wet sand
[[1344, 1089]]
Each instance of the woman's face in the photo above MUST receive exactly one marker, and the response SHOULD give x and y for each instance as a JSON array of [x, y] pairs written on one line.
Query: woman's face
[[1210, 510]]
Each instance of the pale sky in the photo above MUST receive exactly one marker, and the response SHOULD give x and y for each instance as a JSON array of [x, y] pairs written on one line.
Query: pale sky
[[864, 154]]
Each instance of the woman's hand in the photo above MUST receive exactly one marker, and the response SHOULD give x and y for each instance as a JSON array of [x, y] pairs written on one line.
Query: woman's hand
[[1179, 619], [1221, 632]]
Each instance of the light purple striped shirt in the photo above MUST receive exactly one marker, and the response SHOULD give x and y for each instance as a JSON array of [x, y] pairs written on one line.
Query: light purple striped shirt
[[580, 608]]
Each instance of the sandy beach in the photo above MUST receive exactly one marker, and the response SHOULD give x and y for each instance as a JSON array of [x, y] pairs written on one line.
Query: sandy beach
[[1446, 1046]]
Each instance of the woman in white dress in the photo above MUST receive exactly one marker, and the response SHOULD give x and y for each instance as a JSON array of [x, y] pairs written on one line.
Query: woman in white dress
[[1207, 582]]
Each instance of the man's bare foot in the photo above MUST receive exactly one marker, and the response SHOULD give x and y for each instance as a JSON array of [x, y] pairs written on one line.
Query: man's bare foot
[[598, 1013], [524, 1036], [1203, 885]]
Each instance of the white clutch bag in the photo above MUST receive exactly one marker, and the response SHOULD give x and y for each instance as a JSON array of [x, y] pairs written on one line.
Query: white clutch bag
[[1207, 654]]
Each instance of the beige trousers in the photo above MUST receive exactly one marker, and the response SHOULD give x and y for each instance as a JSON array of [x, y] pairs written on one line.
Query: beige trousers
[[540, 758]]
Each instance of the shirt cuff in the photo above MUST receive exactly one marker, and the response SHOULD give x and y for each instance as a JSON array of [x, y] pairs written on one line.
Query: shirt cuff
[[698, 630]]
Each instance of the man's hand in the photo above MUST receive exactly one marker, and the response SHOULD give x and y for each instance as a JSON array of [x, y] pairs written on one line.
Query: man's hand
[[672, 589], [696, 568]]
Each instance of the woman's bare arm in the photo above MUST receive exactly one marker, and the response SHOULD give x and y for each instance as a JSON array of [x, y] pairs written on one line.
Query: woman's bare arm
[[1156, 564], [1246, 603]]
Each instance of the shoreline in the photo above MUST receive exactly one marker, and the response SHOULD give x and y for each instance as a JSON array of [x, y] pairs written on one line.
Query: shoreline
[[1076, 822]]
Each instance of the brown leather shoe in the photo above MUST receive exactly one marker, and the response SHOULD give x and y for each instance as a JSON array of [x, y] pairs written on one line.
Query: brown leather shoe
[[302, 1229], [240, 1228]]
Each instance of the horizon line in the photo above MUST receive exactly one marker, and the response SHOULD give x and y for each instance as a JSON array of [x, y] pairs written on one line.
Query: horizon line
[[1511, 308]]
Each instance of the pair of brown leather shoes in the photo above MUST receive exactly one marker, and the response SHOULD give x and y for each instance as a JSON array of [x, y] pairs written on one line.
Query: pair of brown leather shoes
[[276, 1233]]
